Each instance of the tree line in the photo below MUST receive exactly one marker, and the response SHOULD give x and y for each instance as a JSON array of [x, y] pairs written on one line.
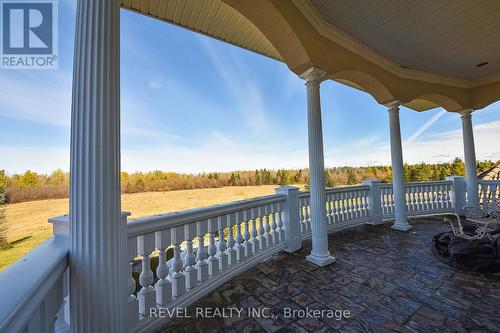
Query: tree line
[[32, 186]]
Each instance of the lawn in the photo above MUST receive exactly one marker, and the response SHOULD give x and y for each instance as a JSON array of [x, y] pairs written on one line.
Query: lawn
[[28, 226]]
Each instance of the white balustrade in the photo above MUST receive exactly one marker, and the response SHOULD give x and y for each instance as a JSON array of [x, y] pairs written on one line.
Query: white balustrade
[[256, 229], [429, 197], [192, 274], [489, 194]]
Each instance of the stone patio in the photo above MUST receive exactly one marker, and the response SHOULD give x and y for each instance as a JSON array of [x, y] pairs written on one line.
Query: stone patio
[[388, 280]]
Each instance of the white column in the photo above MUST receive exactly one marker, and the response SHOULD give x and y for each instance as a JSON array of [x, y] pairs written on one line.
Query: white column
[[470, 159], [319, 253], [398, 183], [98, 284]]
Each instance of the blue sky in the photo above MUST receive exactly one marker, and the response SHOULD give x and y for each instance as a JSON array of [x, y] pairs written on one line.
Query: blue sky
[[192, 104]]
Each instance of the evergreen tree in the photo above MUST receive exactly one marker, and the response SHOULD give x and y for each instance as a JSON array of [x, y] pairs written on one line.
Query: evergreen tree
[[351, 177], [257, 178]]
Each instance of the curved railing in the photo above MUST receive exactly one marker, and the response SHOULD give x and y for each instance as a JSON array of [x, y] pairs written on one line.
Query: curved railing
[[239, 234], [34, 288], [345, 207], [174, 259], [421, 198]]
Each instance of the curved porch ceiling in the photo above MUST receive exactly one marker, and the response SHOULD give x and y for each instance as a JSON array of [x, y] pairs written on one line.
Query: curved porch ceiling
[[209, 17]]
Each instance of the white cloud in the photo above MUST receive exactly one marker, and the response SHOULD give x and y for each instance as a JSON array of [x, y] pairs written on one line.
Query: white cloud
[[431, 121], [45, 99], [438, 148], [246, 92], [222, 153]]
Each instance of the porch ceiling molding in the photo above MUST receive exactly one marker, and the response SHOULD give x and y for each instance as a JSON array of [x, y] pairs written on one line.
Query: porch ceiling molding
[[345, 40]]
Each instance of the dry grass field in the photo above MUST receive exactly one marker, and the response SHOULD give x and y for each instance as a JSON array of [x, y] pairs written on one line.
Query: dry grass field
[[28, 226]]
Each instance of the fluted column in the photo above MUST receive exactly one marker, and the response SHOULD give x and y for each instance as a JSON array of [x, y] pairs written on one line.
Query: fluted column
[[319, 253], [470, 159], [398, 182], [98, 286]]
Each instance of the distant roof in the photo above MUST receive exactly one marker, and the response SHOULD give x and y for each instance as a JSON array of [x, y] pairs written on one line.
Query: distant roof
[[491, 174]]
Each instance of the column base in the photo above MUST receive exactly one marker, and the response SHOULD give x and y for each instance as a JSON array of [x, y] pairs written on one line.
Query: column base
[[320, 261], [404, 227]]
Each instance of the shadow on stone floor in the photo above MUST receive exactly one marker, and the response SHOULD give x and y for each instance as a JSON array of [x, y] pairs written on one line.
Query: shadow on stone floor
[[388, 280]]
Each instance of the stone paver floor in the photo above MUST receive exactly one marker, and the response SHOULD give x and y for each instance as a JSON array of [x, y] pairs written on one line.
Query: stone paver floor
[[388, 280]]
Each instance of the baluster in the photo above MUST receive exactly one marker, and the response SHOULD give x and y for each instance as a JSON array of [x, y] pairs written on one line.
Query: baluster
[[334, 208], [339, 207], [307, 215], [247, 249], [329, 208], [344, 211], [238, 247], [428, 191], [427, 198], [177, 278], [231, 252], [386, 202], [481, 193], [132, 299], [365, 204], [281, 231], [348, 205], [357, 205], [267, 227], [260, 229], [484, 191], [163, 286], [411, 198], [274, 225], [201, 264], [254, 243], [446, 196], [495, 189], [221, 248], [435, 200], [147, 298], [362, 203], [302, 215], [212, 261], [418, 200], [190, 273], [439, 197]]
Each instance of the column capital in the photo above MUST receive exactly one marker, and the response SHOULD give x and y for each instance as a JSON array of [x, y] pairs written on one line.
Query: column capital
[[312, 74], [466, 114], [393, 106]]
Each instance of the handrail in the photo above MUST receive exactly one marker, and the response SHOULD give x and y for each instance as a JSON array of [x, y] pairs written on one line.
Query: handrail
[[160, 222], [28, 282], [494, 181], [347, 188], [432, 182]]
